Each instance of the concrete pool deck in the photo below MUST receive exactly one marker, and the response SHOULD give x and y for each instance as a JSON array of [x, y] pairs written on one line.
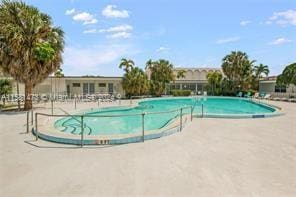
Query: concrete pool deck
[[210, 157]]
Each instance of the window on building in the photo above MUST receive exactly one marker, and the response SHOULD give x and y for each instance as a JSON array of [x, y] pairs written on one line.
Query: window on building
[[280, 89], [175, 86], [188, 87], [76, 84], [102, 85]]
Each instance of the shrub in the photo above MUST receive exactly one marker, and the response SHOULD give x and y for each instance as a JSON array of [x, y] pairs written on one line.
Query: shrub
[[180, 92]]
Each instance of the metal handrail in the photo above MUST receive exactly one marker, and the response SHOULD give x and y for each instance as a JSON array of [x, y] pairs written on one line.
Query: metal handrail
[[108, 116], [82, 116]]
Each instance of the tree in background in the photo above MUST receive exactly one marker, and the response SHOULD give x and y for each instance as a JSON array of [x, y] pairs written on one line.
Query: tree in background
[[237, 69], [58, 74], [214, 82], [161, 73], [126, 64], [5, 89], [288, 76], [280, 82], [135, 81], [260, 71], [181, 74], [30, 46]]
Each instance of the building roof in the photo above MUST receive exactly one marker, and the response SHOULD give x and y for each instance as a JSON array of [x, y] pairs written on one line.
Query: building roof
[[269, 78], [207, 69], [87, 77]]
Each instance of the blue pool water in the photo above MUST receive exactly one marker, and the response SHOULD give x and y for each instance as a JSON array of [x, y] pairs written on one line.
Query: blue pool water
[[131, 121]]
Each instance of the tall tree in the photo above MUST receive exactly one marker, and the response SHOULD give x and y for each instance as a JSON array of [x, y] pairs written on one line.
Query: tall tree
[[5, 89], [31, 47], [58, 74], [126, 64], [161, 72], [238, 69], [259, 71], [214, 82], [135, 82], [181, 74], [289, 74]]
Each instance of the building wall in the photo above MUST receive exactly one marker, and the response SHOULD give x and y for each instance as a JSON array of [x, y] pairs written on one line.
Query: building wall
[[59, 85], [51, 85], [268, 86], [195, 79], [196, 74], [191, 74], [291, 89], [117, 86]]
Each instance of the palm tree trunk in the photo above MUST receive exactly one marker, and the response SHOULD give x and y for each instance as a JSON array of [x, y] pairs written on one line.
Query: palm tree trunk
[[28, 96]]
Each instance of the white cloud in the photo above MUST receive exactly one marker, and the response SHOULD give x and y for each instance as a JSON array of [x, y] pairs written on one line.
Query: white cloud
[[93, 21], [120, 31], [119, 28], [244, 23], [90, 31], [268, 22], [95, 60], [162, 49], [228, 40], [85, 17], [119, 35], [70, 12], [280, 41], [110, 12], [283, 18]]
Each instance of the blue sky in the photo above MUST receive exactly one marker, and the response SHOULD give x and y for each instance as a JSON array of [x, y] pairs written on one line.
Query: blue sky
[[186, 32]]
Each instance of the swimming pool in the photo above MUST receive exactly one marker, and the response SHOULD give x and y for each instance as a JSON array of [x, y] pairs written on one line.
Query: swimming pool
[[160, 113]]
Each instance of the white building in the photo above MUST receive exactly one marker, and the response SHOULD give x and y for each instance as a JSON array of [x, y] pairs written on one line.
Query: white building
[[75, 85], [268, 85], [195, 79]]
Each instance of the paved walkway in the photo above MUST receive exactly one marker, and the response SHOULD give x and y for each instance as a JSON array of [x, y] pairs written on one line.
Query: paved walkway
[[211, 157]]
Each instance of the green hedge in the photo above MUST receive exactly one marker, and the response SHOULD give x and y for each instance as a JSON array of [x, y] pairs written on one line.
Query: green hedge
[[180, 92]]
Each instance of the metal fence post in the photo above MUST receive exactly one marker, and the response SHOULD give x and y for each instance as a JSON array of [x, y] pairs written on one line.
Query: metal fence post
[[143, 126], [181, 119], [28, 112], [191, 115], [131, 101], [98, 102], [36, 126], [51, 107], [32, 117], [82, 131], [202, 110]]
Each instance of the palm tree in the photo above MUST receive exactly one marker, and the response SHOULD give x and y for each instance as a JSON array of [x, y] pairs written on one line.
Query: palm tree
[[214, 81], [259, 70], [135, 82], [238, 69], [161, 74], [30, 46], [126, 64], [58, 74], [5, 89], [181, 74]]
